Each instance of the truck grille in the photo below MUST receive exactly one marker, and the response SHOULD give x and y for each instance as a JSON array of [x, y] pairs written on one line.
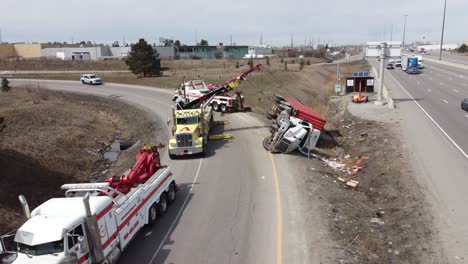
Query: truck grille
[[184, 140], [283, 145]]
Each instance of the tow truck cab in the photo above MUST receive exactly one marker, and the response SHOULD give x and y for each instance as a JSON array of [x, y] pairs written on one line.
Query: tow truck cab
[[190, 131], [58, 231]]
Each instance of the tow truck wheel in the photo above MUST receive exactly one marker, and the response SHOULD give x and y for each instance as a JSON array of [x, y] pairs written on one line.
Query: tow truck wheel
[[152, 214], [223, 108], [171, 193], [162, 205], [215, 106]]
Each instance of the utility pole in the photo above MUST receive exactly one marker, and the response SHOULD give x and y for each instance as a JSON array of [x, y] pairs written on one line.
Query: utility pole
[[443, 26], [404, 32], [384, 31], [0, 35], [230, 38], [383, 49], [196, 37], [261, 39], [391, 32], [292, 40]]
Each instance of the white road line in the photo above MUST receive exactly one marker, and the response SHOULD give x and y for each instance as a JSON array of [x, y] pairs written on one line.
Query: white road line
[[466, 115], [445, 101], [432, 119], [429, 90], [465, 84], [430, 78], [461, 76], [441, 84], [455, 90], [176, 219], [418, 82]]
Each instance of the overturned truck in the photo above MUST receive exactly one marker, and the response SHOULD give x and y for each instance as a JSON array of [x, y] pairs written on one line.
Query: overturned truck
[[294, 126]]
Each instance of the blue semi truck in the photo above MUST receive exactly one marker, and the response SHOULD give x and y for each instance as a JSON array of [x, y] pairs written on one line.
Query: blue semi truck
[[412, 66]]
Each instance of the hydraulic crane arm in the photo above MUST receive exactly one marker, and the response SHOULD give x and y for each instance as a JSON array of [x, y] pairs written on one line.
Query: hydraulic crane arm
[[219, 89]]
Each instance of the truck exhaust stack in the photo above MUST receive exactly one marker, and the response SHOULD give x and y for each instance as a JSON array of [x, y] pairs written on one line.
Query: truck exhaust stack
[[25, 206]]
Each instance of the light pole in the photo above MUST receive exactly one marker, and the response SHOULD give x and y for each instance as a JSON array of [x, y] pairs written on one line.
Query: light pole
[[404, 32], [443, 26]]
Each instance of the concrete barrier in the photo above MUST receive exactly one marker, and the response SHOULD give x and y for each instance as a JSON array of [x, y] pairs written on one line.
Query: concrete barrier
[[448, 63]]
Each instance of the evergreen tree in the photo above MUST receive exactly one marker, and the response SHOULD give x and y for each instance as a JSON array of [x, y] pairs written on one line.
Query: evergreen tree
[[142, 59]]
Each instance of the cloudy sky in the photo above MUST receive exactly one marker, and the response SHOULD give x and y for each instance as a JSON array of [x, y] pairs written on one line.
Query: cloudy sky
[[333, 21]]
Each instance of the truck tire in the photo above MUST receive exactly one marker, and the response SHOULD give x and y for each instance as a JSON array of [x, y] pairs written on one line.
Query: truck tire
[[278, 98], [266, 144], [162, 205], [171, 156], [203, 153], [171, 193], [270, 115], [223, 108], [215, 106], [152, 214]]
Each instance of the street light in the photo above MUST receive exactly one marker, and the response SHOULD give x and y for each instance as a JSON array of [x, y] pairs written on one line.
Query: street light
[[404, 32], [443, 26]]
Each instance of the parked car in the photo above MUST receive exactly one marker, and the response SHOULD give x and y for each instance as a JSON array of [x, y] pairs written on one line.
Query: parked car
[[464, 104], [90, 79], [390, 66]]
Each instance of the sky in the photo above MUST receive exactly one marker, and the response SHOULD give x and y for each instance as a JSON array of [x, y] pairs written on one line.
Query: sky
[[331, 21]]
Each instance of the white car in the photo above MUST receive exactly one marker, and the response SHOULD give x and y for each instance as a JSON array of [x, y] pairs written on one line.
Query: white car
[[91, 79], [398, 63]]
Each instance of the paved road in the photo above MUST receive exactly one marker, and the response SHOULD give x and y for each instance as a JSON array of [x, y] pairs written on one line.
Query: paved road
[[447, 56], [230, 208], [436, 132]]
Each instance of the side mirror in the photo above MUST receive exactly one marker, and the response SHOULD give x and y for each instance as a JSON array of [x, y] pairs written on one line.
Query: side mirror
[[82, 244]]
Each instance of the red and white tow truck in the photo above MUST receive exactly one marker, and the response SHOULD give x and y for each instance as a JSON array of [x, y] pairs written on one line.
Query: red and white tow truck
[[94, 222]]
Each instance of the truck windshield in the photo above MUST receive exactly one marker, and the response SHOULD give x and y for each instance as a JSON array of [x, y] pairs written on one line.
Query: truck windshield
[[41, 249], [191, 120]]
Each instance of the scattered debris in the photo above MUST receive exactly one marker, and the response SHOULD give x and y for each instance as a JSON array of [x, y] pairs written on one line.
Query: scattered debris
[[352, 183]]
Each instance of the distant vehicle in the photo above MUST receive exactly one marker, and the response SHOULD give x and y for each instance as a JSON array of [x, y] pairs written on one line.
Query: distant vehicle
[[420, 64], [412, 66], [328, 60], [90, 79], [390, 66], [464, 104], [397, 63]]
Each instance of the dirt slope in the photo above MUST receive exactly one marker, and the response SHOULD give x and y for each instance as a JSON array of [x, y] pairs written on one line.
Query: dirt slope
[[52, 138]]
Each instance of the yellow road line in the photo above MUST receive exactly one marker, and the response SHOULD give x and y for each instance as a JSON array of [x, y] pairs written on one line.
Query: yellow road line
[[279, 214]]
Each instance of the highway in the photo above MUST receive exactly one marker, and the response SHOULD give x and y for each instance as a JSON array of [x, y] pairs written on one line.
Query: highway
[[447, 56], [231, 207], [435, 132]]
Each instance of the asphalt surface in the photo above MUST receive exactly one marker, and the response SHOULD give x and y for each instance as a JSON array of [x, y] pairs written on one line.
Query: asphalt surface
[[230, 208], [435, 131], [447, 56]]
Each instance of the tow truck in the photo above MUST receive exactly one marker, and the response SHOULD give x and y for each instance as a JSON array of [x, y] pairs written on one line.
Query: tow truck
[[294, 126], [193, 119], [94, 222], [194, 89]]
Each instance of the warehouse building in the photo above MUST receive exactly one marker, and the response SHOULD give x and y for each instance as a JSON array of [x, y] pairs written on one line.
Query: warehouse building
[[20, 50]]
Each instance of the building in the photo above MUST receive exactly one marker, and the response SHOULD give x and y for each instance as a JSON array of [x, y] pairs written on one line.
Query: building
[[86, 53], [20, 50], [196, 52], [234, 52], [448, 46], [166, 52]]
